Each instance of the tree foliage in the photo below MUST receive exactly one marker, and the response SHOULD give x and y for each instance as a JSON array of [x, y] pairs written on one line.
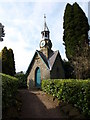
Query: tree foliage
[[8, 63], [69, 70], [75, 38], [2, 34], [22, 80]]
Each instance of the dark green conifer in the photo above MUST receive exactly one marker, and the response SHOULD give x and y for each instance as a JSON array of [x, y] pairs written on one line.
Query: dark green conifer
[[76, 38], [2, 34], [8, 63]]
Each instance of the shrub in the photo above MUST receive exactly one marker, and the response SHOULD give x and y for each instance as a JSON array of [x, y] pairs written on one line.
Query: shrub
[[9, 90], [76, 92], [22, 80]]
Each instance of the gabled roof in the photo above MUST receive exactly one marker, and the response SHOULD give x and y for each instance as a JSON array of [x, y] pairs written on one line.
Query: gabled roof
[[43, 58], [48, 62], [52, 59]]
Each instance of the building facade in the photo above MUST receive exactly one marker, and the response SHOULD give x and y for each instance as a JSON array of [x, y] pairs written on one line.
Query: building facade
[[46, 63]]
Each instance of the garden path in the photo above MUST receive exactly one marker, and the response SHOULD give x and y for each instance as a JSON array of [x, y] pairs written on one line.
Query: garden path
[[37, 104]]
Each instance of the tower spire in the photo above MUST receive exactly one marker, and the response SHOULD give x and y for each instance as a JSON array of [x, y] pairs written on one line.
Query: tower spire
[[45, 42], [45, 25], [45, 33]]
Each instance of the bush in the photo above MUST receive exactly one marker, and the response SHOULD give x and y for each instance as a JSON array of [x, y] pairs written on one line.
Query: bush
[[76, 92], [9, 90], [22, 83]]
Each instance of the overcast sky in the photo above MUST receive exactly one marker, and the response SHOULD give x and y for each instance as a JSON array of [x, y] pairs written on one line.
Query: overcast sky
[[23, 21]]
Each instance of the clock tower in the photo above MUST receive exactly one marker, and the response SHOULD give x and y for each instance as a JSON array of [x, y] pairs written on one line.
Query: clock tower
[[45, 43]]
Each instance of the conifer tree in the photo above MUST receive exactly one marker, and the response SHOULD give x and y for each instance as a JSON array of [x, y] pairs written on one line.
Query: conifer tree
[[2, 34], [11, 62], [5, 65], [76, 38], [8, 63]]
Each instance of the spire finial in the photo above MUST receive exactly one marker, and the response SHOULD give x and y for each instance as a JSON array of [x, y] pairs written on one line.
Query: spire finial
[[45, 17]]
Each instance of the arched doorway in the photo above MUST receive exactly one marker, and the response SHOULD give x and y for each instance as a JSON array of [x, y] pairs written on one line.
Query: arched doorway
[[37, 77]]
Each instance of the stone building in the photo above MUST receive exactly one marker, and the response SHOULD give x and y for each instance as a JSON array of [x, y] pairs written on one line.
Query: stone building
[[46, 63]]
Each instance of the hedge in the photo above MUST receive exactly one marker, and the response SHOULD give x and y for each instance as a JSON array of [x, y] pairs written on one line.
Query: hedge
[[75, 92], [9, 90]]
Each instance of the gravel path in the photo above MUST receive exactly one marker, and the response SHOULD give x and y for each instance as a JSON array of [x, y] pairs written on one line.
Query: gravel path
[[37, 104]]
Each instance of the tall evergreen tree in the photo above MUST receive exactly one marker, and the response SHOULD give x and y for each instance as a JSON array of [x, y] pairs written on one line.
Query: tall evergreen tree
[[8, 63], [76, 38], [5, 65], [68, 31], [2, 34], [11, 62]]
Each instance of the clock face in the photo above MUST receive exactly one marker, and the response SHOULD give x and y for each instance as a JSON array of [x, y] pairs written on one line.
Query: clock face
[[42, 44]]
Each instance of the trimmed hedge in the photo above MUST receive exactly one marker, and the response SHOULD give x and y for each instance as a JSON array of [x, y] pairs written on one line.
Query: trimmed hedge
[[76, 92], [9, 90]]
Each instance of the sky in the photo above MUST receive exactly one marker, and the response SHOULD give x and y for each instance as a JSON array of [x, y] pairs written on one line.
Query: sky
[[23, 22]]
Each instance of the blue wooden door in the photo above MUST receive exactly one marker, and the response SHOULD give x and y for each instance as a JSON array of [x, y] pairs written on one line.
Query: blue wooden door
[[38, 77]]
